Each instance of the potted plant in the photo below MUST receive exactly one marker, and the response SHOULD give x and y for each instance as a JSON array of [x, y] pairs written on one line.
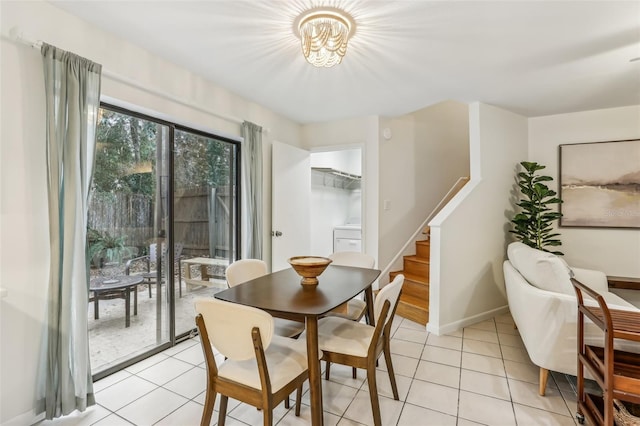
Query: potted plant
[[105, 247], [533, 225]]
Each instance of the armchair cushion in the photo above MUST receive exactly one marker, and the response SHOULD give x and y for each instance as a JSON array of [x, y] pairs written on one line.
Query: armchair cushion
[[542, 269], [596, 280]]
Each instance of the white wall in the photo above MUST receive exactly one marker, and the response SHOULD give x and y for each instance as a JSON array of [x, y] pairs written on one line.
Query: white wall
[[362, 133], [24, 246], [329, 208], [614, 251], [469, 236], [427, 152], [336, 134], [407, 170], [24, 227]]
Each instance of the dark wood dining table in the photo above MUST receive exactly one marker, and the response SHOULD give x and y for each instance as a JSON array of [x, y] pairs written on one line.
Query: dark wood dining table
[[281, 294]]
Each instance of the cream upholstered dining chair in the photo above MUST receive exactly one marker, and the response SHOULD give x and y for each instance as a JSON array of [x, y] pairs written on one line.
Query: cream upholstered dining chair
[[260, 368], [244, 270], [355, 308], [359, 345]]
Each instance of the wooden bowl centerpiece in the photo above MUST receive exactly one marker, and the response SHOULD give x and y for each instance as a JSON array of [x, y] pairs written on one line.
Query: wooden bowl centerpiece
[[309, 267]]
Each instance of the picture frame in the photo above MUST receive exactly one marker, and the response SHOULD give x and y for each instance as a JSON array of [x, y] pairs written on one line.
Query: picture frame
[[599, 184]]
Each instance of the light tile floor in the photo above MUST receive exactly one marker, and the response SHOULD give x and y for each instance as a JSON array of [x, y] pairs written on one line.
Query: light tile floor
[[478, 375]]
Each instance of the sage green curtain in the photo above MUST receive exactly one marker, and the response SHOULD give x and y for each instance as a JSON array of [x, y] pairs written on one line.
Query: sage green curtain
[[252, 189], [72, 86]]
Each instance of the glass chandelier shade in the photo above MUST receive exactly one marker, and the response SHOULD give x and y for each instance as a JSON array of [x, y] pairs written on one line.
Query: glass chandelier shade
[[324, 34]]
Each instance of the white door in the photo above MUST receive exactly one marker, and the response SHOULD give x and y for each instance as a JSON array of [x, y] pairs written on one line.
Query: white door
[[290, 196]]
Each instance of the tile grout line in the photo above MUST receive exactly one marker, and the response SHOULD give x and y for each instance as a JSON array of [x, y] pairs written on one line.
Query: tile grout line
[[404, 403], [460, 378], [418, 359], [513, 408]]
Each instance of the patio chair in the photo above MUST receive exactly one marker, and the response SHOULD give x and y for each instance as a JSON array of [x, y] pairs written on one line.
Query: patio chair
[[260, 368], [151, 276], [244, 270]]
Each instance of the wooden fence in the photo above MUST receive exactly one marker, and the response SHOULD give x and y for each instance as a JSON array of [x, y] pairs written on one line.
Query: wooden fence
[[129, 215], [203, 219]]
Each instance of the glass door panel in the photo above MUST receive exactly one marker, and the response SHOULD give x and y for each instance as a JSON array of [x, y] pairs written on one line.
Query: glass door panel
[[162, 227], [128, 223], [205, 223]]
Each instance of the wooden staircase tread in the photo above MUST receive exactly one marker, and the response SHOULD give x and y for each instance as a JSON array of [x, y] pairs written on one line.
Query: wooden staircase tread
[[415, 258], [414, 301], [411, 277], [418, 315]]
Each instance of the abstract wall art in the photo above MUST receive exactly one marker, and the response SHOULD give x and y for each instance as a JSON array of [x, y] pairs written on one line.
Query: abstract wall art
[[600, 184]]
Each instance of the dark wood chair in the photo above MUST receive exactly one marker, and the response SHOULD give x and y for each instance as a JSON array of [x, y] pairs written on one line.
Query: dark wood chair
[[359, 345], [244, 270], [260, 368], [355, 308]]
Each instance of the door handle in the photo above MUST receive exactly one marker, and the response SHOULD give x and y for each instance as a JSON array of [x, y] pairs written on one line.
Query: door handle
[[276, 234]]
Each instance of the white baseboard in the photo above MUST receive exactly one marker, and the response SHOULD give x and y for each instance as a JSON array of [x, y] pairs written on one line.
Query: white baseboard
[[457, 325], [28, 418], [74, 418]]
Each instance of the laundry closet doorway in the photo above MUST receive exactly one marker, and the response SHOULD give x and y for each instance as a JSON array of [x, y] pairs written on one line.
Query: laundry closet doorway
[[336, 200]]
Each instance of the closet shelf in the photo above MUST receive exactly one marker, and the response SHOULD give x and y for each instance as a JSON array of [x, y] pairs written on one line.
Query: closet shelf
[[335, 178]]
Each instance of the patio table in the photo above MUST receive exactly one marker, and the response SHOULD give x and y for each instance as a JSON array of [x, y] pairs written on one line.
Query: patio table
[[119, 286], [202, 262]]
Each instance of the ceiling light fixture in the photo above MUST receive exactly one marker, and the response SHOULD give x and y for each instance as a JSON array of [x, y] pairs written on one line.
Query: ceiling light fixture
[[324, 33]]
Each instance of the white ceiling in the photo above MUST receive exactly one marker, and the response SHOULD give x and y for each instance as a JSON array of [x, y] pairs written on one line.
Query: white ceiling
[[534, 58]]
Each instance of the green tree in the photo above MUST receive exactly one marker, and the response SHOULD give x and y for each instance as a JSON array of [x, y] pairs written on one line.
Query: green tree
[[200, 161], [123, 143]]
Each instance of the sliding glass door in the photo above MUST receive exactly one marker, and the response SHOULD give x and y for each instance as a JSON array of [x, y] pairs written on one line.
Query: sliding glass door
[[205, 216], [163, 225]]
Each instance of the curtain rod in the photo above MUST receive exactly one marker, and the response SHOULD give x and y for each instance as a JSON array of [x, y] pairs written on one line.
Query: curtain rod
[[16, 35]]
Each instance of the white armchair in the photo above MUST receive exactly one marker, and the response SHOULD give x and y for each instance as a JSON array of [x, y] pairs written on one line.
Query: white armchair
[[543, 304]]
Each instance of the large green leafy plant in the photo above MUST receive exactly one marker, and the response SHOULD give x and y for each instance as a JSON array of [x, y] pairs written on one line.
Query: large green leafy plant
[[534, 223], [104, 245]]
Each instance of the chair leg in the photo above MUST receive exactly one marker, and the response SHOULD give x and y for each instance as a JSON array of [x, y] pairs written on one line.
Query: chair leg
[[268, 416], [544, 376], [373, 394], [286, 402], [354, 372], [149, 289], [392, 375], [327, 370], [222, 415], [298, 399], [209, 402]]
